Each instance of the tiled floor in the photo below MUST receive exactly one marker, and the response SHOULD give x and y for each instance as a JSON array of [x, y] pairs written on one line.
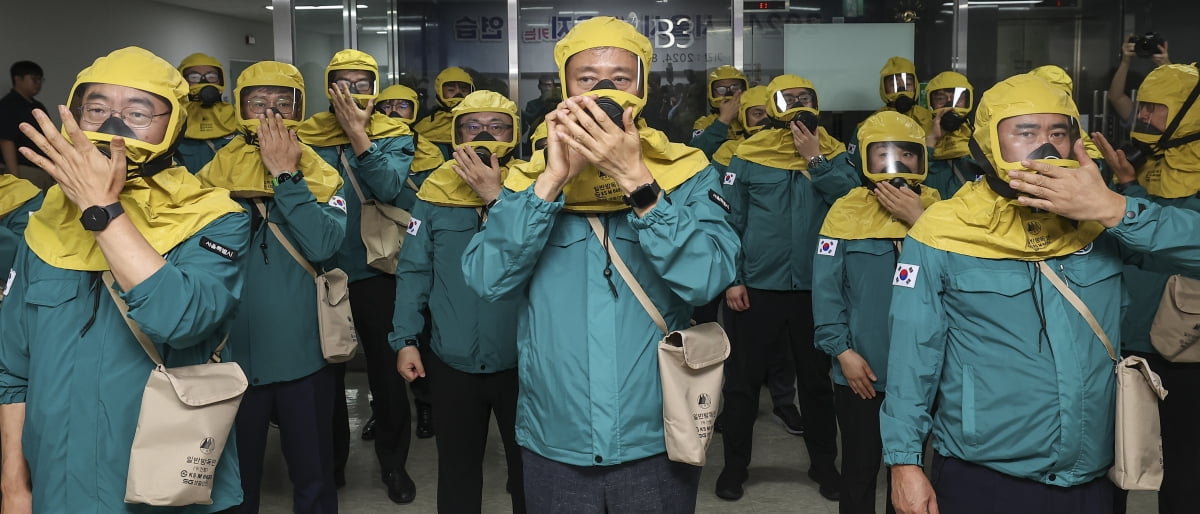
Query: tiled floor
[[777, 484]]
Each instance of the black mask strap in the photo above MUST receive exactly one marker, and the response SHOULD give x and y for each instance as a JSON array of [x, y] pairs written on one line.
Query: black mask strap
[[1165, 141], [989, 173]]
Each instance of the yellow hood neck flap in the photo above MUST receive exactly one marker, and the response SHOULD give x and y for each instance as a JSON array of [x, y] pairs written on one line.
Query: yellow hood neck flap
[[977, 222], [1177, 172], [858, 215], [219, 120], [238, 167], [437, 127], [774, 148], [444, 187], [322, 129], [591, 191], [14, 192], [167, 208]]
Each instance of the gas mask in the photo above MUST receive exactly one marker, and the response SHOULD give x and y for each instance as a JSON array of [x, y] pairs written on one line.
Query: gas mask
[[903, 103], [951, 121], [609, 101], [208, 96], [116, 127], [482, 152]]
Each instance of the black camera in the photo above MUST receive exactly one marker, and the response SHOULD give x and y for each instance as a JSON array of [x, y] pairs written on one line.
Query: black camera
[[1136, 152], [1147, 45]]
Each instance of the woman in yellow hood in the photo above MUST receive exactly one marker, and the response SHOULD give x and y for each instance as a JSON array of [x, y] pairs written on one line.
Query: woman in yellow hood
[[298, 221], [120, 210], [653, 203], [212, 122]]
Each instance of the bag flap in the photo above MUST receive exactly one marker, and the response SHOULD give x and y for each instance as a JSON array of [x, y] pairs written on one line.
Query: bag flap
[[396, 214], [703, 345], [1186, 293], [336, 284], [205, 384], [1139, 365]]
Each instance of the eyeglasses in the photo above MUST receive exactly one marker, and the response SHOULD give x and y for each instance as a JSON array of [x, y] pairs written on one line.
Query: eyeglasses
[[196, 77], [394, 105], [793, 100], [260, 105], [726, 90], [360, 86], [134, 116], [493, 128]]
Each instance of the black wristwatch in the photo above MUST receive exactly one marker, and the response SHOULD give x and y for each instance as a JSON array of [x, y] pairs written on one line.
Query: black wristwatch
[[816, 161], [411, 342], [97, 218], [644, 196], [286, 176]]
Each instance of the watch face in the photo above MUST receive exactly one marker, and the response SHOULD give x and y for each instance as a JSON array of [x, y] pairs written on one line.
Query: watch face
[[94, 218]]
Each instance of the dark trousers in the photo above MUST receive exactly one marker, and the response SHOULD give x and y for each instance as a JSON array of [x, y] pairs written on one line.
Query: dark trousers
[[463, 407], [303, 408], [781, 372], [778, 318], [1179, 417], [862, 451], [371, 302], [649, 485], [966, 488]]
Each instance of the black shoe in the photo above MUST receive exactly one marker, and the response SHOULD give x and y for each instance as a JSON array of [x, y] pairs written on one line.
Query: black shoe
[[401, 488], [424, 420], [790, 416], [368, 430], [828, 484], [729, 487]]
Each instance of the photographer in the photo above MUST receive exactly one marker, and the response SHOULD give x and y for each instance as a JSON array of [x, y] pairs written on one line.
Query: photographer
[[1116, 90]]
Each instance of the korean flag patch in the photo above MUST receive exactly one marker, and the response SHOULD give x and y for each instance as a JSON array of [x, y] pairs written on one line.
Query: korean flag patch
[[906, 275], [851, 148], [729, 178], [827, 247], [338, 202], [414, 225]]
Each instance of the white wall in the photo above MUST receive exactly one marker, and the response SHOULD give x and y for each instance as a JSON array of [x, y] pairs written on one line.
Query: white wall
[[66, 36]]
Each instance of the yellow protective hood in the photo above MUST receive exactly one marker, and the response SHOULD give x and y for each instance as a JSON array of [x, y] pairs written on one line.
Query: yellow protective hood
[[199, 59], [400, 92], [671, 164], [606, 32], [350, 59], [238, 167], [488, 101], [858, 215], [724, 73], [427, 157], [451, 74], [1016, 96], [895, 66], [725, 152], [1179, 175], [780, 83], [540, 133], [954, 144], [980, 223], [444, 187], [773, 147], [322, 129], [270, 73], [437, 127], [14, 192], [212, 122], [139, 69], [1059, 78], [753, 97], [167, 208], [891, 126]]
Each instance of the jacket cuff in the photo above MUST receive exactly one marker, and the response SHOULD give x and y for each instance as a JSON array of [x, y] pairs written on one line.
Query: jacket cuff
[[903, 458], [12, 394]]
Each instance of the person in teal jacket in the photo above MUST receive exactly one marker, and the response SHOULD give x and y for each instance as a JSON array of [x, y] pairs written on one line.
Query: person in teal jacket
[[589, 413], [473, 352], [855, 258], [373, 153], [726, 85], [295, 200], [18, 198], [975, 323], [951, 98], [780, 183], [212, 122], [71, 371]]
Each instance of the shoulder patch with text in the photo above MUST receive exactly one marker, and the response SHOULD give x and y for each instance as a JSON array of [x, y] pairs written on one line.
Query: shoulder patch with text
[[729, 178], [906, 275], [850, 148], [697, 132], [827, 247], [218, 248], [12, 275], [338, 202], [719, 200], [1085, 250], [414, 226]]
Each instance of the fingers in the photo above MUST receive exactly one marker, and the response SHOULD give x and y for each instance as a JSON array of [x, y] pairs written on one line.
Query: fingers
[[583, 126], [116, 150], [370, 105], [627, 119], [495, 163], [44, 135], [78, 139]]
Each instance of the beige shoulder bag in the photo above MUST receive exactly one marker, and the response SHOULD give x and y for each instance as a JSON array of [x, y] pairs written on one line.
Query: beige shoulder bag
[[339, 340], [184, 422], [1176, 327], [382, 226], [690, 369], [1137, 459]]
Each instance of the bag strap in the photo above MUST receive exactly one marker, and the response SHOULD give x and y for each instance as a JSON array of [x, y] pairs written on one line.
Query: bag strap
[[262, 209], [954, 168], [1079, 306], [354, 180], [627, 275], [211, 146], [141, 337]]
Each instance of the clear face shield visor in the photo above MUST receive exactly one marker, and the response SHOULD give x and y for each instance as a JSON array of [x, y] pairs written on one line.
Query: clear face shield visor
[[360, 82], [952, 97], [1150, 118], [204, 75], [259, 100], [888, 159], [1044, 137], [794, 98], [124, 111], [899, 83]]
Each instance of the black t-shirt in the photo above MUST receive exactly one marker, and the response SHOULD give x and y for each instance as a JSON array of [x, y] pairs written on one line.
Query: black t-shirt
[[14, 110]]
